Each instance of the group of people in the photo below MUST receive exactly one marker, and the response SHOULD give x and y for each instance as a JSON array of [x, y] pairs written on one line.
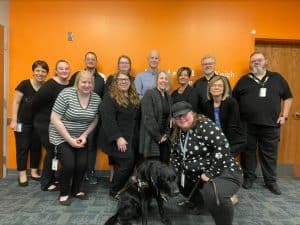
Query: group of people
[[196, 129]]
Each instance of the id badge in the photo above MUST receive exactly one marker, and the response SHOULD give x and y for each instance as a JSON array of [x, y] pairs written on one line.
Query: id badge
[[18, 127], [262, 92], [182, 180], [54, 164]]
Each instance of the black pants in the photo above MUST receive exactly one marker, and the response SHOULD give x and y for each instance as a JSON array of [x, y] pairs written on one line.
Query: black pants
[[73, 162], [27, 141], [164, 149], [264, 139], [123, 168], [42, 127], [92, 150], [215, 196]]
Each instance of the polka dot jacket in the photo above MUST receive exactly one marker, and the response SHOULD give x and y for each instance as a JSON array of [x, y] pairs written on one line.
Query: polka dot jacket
[[207, 151]]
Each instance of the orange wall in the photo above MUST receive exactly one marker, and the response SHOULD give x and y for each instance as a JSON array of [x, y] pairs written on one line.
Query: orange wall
[[181, 30]]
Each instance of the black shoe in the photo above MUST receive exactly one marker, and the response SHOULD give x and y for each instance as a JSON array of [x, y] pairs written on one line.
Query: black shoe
[[114, 195], [274, 188], [81, 196], [35, 178], [92, 179], [22, 184], [66, 202], [247, 184]]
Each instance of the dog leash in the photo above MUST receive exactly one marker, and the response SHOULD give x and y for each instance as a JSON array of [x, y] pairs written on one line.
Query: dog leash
[[196, 186]]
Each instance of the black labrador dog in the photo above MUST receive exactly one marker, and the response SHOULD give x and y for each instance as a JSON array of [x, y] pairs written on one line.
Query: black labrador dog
[[153, 179]]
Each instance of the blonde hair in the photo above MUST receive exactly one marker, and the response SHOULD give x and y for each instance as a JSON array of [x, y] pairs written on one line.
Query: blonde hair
[[168, 77], [80, 74], [226, 90], [208, 57], [119, 96]]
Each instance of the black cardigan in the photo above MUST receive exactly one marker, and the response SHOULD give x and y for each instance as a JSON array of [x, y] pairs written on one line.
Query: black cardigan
[[117, 121], [230, 119]]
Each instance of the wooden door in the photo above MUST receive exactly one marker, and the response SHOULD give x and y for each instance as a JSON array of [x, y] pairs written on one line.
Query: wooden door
[[284, 57], [1, 96]]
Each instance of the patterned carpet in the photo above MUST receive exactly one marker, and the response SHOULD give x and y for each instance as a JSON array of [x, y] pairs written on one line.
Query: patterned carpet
[[30, 206]]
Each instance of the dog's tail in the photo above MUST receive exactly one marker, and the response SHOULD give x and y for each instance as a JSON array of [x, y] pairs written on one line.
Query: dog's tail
[[112, 220]]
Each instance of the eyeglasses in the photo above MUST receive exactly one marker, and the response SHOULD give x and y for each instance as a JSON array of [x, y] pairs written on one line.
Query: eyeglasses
[[208, 64], [257, 60], [217, 85], [124, 63], [123, 80], [183, 116]]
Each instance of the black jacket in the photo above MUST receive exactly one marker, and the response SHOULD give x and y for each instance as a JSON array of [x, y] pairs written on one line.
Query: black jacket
[[230, 119], [117, 121]]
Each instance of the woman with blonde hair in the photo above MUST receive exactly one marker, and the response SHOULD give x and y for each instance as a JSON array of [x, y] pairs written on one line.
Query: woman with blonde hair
[[74, 116], [120, 117], [224, 111], [155, 120]]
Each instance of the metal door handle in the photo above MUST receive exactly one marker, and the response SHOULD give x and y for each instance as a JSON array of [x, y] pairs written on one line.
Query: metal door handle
[[297, 115]]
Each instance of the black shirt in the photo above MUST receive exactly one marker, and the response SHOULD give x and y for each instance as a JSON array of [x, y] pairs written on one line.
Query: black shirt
[[261, 110], [25, 109], [188, 95], [44, 100], [201, 91]]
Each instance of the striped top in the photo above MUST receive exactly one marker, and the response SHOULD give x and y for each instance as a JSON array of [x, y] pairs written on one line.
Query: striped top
[[75, 118]]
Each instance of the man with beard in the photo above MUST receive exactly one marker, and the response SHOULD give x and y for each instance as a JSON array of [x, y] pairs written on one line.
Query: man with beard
[[208, 64], [91, 61], [260, 95], [146, 80]]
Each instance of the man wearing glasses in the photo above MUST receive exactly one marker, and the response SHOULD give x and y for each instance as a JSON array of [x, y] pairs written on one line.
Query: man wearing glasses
[[208, 64], [91, 62]]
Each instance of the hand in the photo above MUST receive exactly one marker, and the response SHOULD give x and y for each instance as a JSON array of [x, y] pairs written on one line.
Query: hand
[[13, 124], [281, 120], [204, 177], [163, 139], [122, 144], [76, 143], [82, 139]]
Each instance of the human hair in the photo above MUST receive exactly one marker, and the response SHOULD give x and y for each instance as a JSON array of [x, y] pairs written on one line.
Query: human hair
[[168, 77], [92, 53], [124, 57], [119, 96], [40, 63], [80, 74], [197, 117], [226, 90], [184, 68], [258, 53], [208, 57], [60, 61]]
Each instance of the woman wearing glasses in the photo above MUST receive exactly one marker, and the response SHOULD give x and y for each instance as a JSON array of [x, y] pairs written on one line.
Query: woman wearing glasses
[[119, 115]]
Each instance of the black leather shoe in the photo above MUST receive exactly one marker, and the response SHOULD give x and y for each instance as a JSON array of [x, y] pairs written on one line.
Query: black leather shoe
[[35, 178], [247, 184], [274, 188], [22, 184]]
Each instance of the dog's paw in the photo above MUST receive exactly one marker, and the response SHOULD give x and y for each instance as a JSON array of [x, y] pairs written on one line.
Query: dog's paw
[[166, 221]]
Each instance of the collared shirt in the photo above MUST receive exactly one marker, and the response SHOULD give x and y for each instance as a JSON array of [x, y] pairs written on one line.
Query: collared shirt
[[144, 81]]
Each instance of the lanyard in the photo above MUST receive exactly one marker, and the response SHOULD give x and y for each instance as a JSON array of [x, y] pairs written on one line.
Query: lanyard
[[259, 81], [183, 145]]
